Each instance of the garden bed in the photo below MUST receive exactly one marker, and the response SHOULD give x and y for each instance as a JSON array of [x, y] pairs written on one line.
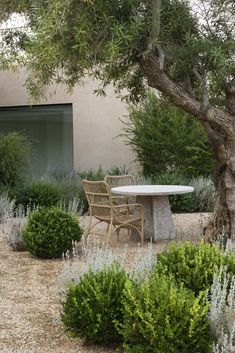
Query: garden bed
[[30, 300]]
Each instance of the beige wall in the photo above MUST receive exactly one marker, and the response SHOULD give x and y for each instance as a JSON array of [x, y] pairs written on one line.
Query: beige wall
[[95, 121]]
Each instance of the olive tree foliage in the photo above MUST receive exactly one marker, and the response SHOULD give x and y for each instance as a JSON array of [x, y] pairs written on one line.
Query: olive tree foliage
[[73, 38], [183, 48]]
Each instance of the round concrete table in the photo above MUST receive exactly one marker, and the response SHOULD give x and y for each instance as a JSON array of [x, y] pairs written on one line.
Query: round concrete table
[[154, 198]]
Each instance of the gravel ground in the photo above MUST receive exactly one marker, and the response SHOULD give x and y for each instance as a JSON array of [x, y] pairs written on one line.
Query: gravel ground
[[30, 302]]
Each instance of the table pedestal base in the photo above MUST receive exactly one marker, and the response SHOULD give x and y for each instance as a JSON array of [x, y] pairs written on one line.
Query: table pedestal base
[[159, 222]]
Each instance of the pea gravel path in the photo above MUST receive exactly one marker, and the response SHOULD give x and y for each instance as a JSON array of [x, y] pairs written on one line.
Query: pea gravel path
[[30, 302]]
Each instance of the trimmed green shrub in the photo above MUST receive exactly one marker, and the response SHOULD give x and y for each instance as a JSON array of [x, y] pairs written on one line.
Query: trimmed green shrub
[[166, 138], [194, 265], [36, 193], [160, 317], [51, 232], [201, 200], [14, 157], [93, 305]]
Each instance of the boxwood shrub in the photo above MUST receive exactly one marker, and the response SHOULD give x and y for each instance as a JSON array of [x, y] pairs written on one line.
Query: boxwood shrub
[[93, 305], [51, 232], [162, 317], [167, 312], [194, 265]]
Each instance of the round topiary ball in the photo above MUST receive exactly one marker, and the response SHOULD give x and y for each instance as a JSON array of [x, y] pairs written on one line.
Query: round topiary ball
[[50, 232]]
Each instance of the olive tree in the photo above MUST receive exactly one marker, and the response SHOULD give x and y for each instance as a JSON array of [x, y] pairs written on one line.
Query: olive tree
[[184, 49]]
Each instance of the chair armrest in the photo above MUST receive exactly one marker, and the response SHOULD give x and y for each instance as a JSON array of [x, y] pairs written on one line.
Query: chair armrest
[[131, 205]]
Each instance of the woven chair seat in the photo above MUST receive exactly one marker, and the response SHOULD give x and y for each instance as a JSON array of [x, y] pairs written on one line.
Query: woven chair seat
[[127, 219]]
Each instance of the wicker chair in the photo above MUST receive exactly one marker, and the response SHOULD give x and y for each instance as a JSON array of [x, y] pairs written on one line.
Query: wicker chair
[[121, 180], [106, 208]]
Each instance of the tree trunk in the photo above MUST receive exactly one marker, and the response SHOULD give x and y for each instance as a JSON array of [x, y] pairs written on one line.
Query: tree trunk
[[220, 127], [222, 224]]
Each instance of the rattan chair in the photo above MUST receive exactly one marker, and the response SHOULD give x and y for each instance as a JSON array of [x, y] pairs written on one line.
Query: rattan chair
[[121, 180], [104, 207]]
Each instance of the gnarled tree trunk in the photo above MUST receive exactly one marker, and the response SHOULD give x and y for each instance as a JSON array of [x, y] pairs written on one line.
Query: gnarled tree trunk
[[223, 222], [220, 128]]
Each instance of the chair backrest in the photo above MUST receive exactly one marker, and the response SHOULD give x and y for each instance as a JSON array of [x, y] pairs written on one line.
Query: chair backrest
[[119, 180], [98, 195]]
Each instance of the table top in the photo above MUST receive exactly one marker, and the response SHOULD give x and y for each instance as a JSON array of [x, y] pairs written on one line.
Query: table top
[[149, 190]]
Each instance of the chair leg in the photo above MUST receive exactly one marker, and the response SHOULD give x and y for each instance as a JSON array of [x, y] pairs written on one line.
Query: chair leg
[[142, 236], [118, 234], [109, 233], [88, 229], [142, 231]]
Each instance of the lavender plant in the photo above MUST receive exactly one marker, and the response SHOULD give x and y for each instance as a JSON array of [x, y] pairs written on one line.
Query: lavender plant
[[13, 225], [6, 207], [95, 258], [143, 264], [12, 229], [222, 313]]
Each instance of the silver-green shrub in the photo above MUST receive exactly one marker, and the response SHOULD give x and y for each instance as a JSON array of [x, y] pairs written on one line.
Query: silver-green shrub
[[13, 220], [12, 230], [72, 206], [13, 226], [204, 193], [222, 313], [201, 200], [6, 207], [144, 263], [95, 258]]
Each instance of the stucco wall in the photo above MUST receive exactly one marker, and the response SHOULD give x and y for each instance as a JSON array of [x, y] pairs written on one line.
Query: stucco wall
[[96, 122]]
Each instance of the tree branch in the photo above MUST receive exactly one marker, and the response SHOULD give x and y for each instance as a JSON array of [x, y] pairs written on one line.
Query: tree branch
[[158, 79], [156, 27], [205, 97], [156, 17], [188, 85]]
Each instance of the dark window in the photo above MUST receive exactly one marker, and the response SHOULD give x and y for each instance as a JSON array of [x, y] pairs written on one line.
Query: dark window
[[50, 129]]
